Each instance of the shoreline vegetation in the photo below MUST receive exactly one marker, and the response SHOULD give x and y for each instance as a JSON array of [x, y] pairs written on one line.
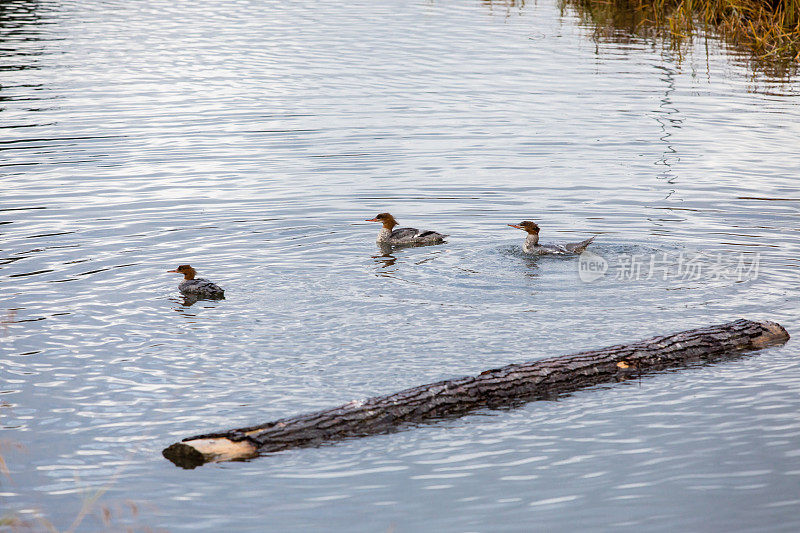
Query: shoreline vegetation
[[33, 519], [766, 31]]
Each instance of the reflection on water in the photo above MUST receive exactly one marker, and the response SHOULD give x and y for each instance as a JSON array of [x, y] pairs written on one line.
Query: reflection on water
[[386, 259], [23, 49], [189, 300], [248, 140], [20, 27], [668, 118], [9, 318]]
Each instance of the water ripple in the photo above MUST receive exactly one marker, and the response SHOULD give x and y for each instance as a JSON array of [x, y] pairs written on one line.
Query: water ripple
[[251, 139]]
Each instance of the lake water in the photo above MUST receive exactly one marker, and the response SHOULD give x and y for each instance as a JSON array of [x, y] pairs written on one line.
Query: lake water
[[252, 138]]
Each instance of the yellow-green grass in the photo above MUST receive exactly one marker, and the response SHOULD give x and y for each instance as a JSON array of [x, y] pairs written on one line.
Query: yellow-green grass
[[767, 30]]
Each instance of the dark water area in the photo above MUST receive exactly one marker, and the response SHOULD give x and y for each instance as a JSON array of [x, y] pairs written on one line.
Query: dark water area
[[251, 139]]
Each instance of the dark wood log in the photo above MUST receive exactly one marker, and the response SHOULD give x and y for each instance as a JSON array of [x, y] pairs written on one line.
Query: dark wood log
[[502, 387]]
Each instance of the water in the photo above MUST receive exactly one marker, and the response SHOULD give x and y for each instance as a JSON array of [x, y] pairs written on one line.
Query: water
[[251, 139]]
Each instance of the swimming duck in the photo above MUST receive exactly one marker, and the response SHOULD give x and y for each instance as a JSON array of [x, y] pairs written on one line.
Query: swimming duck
[[532, 245], [403, 235], [197, 287]]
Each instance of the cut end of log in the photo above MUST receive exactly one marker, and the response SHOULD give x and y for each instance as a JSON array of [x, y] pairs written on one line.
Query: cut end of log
[[193, 453], [773, 335]]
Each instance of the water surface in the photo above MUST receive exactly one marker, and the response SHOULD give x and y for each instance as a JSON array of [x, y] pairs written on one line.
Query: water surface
[[251, 139]]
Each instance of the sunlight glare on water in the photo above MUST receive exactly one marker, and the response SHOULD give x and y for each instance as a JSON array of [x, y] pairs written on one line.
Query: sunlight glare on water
[[252, 139]]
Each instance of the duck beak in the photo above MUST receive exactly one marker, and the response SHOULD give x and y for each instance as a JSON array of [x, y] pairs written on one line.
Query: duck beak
[[173, 271], [371, 220], [516, 226]]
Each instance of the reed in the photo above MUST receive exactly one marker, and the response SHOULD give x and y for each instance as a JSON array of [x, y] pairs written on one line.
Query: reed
[[11, 521], [767, 30]]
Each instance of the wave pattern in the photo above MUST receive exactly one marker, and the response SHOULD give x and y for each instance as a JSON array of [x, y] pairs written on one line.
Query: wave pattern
[[252, 138]]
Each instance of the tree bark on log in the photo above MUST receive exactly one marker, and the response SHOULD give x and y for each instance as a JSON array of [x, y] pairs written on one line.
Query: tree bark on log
[[501, 387]]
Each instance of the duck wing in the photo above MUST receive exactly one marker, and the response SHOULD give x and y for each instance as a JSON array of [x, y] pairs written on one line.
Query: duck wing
[[431, 234], [548, 249], [404, 233], [201, 286]]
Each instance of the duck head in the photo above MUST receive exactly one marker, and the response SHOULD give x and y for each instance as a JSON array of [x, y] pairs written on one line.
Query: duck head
[[187, 271], [388, 220], [531, 227]]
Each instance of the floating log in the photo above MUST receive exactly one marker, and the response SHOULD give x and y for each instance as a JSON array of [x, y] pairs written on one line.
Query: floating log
[[502, 387]]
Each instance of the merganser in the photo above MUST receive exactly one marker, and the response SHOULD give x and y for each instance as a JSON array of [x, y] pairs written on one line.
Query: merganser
[[197, 287], [532, 245], [403, 235]]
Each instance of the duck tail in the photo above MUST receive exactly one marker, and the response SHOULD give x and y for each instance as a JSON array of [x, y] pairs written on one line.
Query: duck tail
[[581, 246]]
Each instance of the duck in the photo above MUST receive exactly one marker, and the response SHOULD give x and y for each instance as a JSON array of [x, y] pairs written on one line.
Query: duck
[[532, 245], [403, 236], [197, 287]]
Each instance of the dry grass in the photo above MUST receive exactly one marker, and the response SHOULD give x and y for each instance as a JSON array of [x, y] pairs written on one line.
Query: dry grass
[[768, 31], [110, 514]]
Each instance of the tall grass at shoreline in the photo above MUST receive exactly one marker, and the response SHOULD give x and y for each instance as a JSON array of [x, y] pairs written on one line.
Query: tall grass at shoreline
[[767, 30]]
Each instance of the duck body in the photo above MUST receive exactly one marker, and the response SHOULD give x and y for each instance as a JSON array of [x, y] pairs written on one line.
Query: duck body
[[532, 246], [197, 287], [201, 287], [409, 236], [403, 236]]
